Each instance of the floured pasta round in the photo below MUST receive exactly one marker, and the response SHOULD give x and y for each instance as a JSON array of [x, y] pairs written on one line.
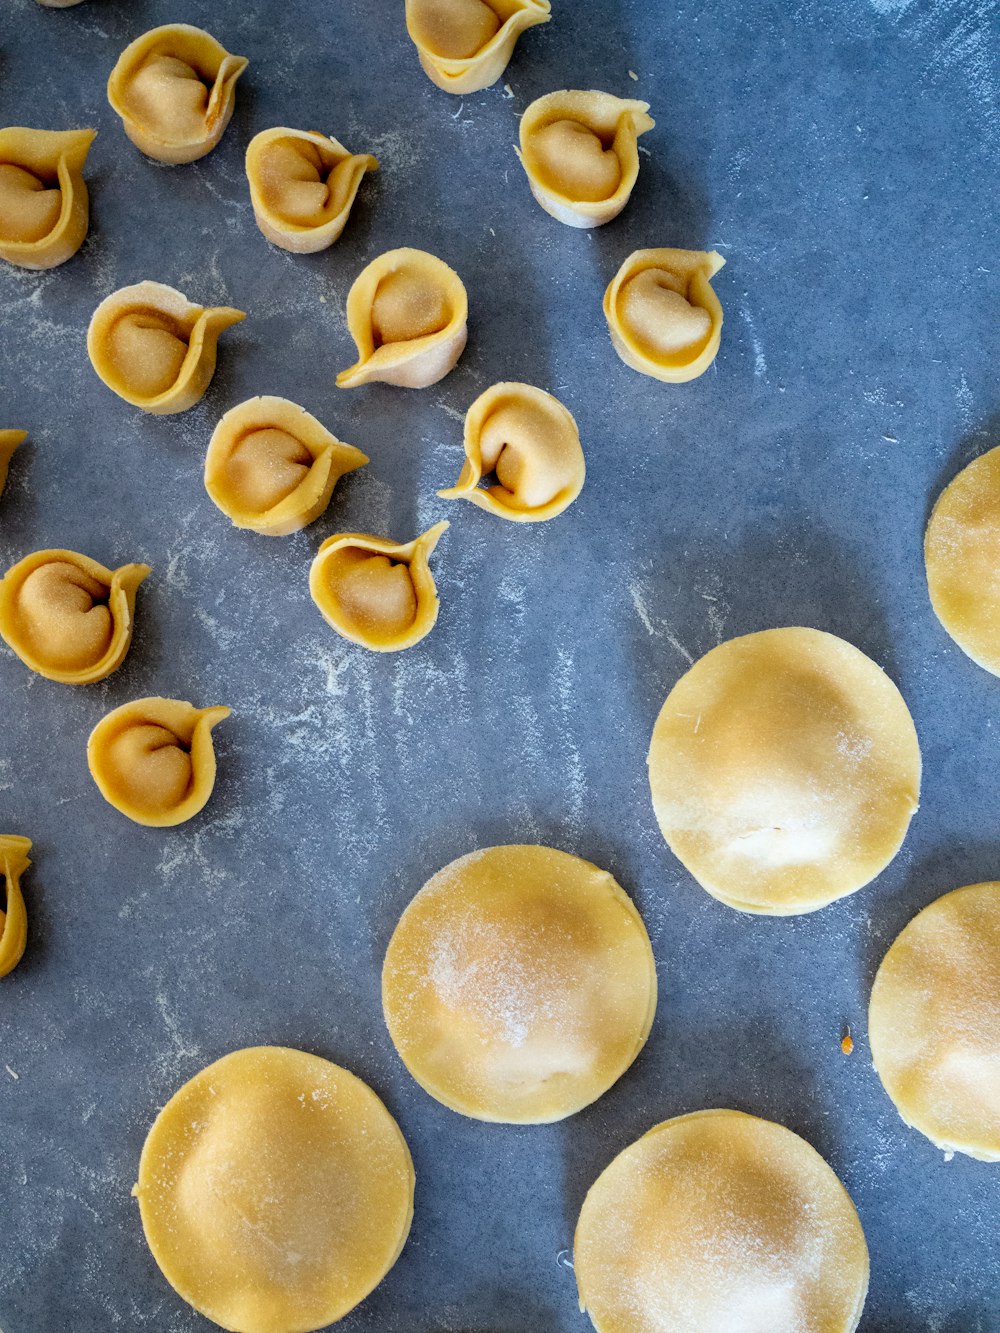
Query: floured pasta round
[[175, 89], [275, 1190], [720, 1222], [272, 467], [14, 862], [153, 759], [580, 153], [302, 186], [407, 313], [530, 444], [9, 440], [519, 984], [664, 318], [67, 617], [934, 1022], [375, 592], [465, 45], [785, 770], [44, 205], [58, 4], [155, 348]]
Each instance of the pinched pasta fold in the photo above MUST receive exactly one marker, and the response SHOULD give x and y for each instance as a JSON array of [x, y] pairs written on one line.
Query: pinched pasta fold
[[664, 318], [465, 45], [14, 916], [44, 205], [9, 440]]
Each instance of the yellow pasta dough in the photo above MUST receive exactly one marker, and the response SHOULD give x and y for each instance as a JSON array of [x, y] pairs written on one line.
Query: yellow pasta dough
[[44, 205], [784, 770], [9, 440], [580, 153], [275, 1190], [519, 984], [154, 761], [14, 917], [531, 445], [175, 89], [407, 313], [155, 348], [58, 4], [375, 592], [272, 467], [664, 318], [718, 1222], [67, 617], [934, 1022], [465, 45]]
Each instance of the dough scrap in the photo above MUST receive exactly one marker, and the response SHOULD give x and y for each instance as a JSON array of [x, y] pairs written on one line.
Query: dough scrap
[[519, 984], [934, 1022], [9, 440], [275, 1191], [44, 205], [14, 862], [716, 1222], [784, 770], [465, 45], [663, 316]]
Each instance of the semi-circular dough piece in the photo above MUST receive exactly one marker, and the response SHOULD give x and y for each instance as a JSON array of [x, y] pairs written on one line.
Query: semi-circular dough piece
[[175, 89], [519, 984], [580, 153], [67, 617], [784, 770], [276, 1191], [718, 1222], [529, 442], [155, 348], [271, 466], [302, 186], [465, 45], [9, 440], [934, 1022], [14, 862], [663, 316], [407, 313], [375, 592], [58, 4], [44, 205], [153, 759]]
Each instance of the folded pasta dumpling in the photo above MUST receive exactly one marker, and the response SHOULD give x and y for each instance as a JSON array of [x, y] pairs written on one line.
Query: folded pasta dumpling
[[465, 45], [14, 916], [407, 313], [664, 318], [580, 153], [302, 186], [9, 440], [376, 592], [155, 348], [67, 617], [531, 445], [44, 206]]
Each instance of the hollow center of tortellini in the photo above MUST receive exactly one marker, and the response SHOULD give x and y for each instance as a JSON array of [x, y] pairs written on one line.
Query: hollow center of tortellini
[[29, 207], [453, 29], [407, 306], [522, 452], [294, 183], [265, 466], [654, 307], [574, 160], [170, 96], [65, 615], [147, 349], [373, 593], [149, 766]]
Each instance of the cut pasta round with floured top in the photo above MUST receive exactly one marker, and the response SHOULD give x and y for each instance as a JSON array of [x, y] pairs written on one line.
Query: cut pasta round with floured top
[[44, 204], [465, 45], [9, 441], [519, 984], [784, 769], [14, 861], [663, 316], [718, 1221]]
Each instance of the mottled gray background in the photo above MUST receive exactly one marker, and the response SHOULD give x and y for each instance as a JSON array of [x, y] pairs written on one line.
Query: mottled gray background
[[843, 156]]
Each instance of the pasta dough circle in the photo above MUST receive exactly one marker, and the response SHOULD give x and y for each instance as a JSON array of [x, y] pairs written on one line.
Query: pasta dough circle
[[784, 770], [718, 1221], [44, 204], [934, 1022], [14, 861], [9, 441], [275, 1190], [663, 316], [465, 45], [519, 984]]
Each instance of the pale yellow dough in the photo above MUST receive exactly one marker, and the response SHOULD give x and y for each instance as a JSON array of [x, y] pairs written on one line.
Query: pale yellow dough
[[44, 205], [67, 617], [58, 4], [14, 862], [718, 1222], [465, 45], [784, 770], [9, 440], [175, 89], [531, 445], [519, 984], [407, 313], [276, 1191], [934, 1022], [663, 316], [375, 592]]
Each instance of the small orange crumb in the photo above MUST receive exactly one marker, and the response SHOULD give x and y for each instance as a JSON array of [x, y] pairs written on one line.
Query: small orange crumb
[[847, 1042]]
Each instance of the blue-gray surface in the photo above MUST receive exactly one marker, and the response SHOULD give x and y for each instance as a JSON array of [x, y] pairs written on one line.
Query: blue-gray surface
[[844, 158]]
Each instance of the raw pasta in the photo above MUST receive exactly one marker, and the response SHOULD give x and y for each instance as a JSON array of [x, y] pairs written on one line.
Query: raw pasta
[[14, 917], [465, 45], [663, 316], [44, 204]]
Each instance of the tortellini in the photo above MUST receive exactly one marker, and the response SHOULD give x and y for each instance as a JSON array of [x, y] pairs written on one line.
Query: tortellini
[[14, 915], [155, 348], [664, 318], [530, 443], [44, 205], [580, 153], [376, 592], [154, 761], [9, 440], [67, 617], [407, 313], [465, 45], [175, 89], [302, 186]]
